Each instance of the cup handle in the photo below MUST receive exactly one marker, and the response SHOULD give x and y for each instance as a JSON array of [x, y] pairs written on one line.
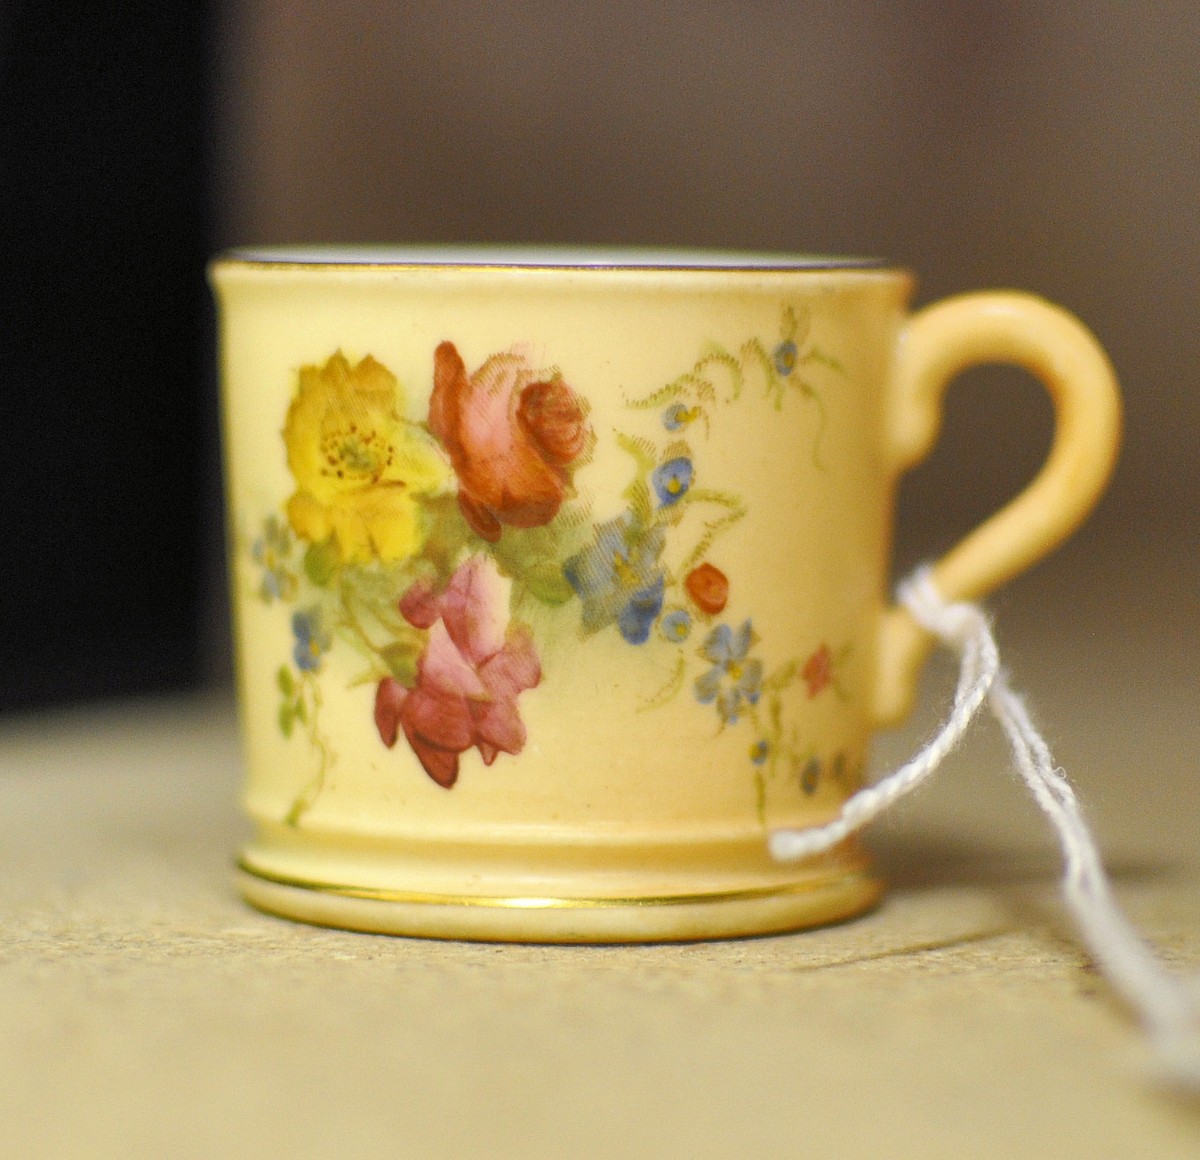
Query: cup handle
[[939, 343]]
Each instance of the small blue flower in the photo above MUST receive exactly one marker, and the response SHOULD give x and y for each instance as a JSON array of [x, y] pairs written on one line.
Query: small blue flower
[[640, 612], [672, 479], [733, 679], [618, 578], [312, 641], [677, 626], [274, 584], [677, 416], [785, 355], [271, 550], [810, 774], [760, 751], [837, 769]]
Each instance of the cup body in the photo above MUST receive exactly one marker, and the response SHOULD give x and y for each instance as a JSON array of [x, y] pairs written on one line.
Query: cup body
[[557, 583]]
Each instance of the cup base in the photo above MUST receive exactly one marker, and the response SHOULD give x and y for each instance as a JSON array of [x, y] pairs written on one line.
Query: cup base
[[814, 900]]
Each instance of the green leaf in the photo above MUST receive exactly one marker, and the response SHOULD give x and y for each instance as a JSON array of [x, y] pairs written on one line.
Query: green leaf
[[520, 550], [638, 494], [284, 680], [788, 326], [446, 532], [782, 676], [643, 451], [814, 355], [320, 562], [546, 582], [300, 712], [286, 719], [663, 395], [401, 658]]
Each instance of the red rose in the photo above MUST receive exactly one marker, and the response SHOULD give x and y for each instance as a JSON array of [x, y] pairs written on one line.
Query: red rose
[[511, 436]]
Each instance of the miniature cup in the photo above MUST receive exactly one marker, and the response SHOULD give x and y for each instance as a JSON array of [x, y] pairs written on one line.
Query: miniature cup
[[559, 577]]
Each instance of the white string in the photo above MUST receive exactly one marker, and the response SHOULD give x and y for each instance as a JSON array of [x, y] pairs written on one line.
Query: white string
[[1168, 1006]]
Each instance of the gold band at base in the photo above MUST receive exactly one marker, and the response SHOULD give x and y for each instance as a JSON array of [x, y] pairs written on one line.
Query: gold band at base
[[515, 918]]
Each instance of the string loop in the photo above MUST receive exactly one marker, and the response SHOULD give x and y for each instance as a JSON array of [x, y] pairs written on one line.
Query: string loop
[[1167, 1005]]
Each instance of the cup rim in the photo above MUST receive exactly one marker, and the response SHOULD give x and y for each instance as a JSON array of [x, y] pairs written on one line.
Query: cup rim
[[535, 257]]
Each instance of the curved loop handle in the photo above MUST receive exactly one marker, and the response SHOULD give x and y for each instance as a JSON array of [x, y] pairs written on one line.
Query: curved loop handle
[[937, 344]]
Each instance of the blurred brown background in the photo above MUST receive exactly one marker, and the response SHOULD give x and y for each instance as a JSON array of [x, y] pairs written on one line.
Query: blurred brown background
[[1051, 146]]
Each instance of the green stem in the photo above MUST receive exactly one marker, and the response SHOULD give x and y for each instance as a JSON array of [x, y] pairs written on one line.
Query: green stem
[[754, 350], [308, 796], [822, 422], [713, 529], [351, 621], [670, 690]]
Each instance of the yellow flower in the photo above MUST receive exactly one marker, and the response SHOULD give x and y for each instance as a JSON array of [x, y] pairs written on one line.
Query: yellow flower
[[358, 465]]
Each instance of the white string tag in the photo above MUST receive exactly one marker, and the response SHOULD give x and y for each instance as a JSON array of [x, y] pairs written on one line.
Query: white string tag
[[1167, 1005]]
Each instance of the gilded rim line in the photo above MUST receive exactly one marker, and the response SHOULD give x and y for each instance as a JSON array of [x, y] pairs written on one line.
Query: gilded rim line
[[518, 902], [570, 259]]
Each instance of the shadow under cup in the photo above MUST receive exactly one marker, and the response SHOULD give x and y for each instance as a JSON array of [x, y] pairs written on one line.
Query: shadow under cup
[[559, 577]]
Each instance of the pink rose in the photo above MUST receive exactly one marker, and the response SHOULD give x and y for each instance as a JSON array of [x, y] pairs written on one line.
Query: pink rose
[[474, 667], [511, 435]]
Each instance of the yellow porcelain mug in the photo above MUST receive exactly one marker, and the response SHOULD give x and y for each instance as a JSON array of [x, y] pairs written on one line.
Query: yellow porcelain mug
[[560, 577]]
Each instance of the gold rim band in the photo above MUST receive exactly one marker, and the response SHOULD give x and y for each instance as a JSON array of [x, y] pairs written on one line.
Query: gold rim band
[[529, 902]]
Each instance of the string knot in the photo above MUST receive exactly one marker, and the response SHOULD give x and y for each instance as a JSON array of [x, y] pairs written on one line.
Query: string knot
[[954, 623]]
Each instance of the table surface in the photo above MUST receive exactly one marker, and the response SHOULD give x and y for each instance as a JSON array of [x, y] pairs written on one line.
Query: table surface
[[144, 1008]]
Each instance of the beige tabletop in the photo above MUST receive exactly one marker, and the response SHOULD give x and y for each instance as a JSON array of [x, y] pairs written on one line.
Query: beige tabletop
[[144, 1010]]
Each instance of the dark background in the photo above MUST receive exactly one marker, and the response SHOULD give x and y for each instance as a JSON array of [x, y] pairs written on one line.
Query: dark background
[[106, 222], [1050, 145]]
